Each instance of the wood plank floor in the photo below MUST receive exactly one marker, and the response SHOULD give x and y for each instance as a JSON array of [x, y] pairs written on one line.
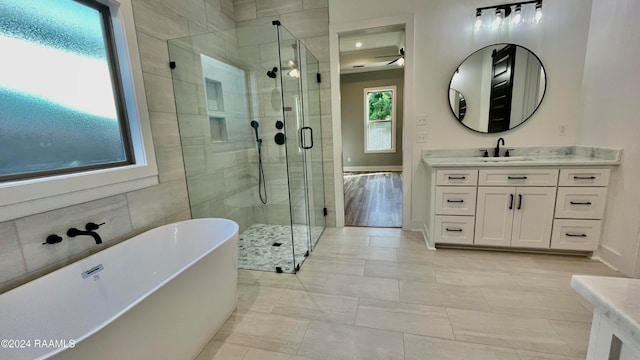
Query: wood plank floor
[[373, 199]]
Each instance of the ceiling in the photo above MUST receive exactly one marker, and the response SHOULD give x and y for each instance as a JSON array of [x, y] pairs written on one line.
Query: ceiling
[[376, 42]]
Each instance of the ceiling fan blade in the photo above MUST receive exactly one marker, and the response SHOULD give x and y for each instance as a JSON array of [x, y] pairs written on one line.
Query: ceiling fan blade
[[393, 61], [381, 56]]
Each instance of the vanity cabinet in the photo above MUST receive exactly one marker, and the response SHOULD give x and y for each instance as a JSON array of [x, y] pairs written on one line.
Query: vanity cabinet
[[517, 207]]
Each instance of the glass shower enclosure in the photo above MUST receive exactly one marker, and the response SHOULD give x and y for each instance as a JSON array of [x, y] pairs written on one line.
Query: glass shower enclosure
[[248, 107]]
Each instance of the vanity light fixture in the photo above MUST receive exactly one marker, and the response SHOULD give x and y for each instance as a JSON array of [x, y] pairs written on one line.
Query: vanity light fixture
[[538, 15], [478, 23], [517, 16], [503, 11], [498, 20]]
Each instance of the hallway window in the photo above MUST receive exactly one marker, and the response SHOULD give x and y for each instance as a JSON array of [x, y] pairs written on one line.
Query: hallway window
[[60, 90], [380, 114]]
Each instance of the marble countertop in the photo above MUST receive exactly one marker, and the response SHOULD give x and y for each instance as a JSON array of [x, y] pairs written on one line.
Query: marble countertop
[[616, 298], [524, 156]]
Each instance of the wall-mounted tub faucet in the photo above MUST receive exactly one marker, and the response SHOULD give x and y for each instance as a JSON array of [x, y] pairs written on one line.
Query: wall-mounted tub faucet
[[89, 230]]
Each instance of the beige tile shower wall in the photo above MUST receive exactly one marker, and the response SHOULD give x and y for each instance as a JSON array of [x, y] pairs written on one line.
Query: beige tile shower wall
[[22, 255], [219, 174], [309, 21], [257, 42]]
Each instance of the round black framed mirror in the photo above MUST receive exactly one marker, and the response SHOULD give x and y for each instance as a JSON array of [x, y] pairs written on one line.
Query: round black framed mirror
[[497, 88]]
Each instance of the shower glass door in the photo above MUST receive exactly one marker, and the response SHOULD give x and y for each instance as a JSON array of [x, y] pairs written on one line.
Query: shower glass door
[[293, 117], [312, 139]]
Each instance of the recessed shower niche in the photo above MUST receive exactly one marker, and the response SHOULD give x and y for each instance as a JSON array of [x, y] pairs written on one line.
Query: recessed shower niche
[[215, 108], [215, 99], [218, 126]]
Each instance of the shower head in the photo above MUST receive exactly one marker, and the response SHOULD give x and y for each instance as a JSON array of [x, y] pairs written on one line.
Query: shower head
[[272, 73]]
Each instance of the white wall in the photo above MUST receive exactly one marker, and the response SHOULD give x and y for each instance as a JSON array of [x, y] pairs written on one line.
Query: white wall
[[444, 37], [610, 118]]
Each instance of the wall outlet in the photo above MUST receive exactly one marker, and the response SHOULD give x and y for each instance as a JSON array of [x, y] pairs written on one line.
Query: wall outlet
[[562, 130], [421, 137], [421, 120]]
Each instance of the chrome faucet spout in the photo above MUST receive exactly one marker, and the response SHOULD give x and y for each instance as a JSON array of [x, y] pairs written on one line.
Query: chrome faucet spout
[[496, 151]]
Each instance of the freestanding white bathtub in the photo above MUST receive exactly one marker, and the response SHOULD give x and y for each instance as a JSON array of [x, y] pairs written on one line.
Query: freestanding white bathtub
[[160, 295]]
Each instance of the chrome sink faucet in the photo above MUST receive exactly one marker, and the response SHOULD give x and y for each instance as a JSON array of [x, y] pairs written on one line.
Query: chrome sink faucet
[[496, 151]]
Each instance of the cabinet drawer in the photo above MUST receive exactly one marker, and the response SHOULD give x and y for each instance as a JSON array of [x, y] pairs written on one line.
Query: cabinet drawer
[[580, 203], [455, 200], [518, 177], [576, 234], [584, 177], [457, 177], [454, 229]]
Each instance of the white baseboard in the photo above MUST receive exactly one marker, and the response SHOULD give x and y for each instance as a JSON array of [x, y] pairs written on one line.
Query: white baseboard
[[373, 168]]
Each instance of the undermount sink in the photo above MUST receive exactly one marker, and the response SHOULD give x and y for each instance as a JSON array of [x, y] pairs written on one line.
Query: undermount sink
[[506, 159]]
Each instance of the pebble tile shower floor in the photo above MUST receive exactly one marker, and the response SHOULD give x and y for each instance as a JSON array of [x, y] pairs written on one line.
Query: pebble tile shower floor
[[257, 251]]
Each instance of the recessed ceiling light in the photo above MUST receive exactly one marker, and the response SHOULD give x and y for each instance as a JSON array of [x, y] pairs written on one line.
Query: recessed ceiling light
[[358, 44]]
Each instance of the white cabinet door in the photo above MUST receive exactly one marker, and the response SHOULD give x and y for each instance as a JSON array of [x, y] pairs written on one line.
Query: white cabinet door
[[533, 217], [494, 216]]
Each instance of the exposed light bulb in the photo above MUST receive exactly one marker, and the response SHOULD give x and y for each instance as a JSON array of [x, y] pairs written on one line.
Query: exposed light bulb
[[478, 23], [294, 73], [498, 20], [358, 44], [517, 17], [538, 15], [400, 62]]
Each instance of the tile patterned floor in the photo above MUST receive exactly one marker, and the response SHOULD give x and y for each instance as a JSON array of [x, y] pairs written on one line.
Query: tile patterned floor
[[258, 253], [370, 293]]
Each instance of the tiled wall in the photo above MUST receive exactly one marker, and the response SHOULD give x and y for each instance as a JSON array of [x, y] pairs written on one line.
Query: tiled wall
[[218, 171], [23, 258], [307, 20]]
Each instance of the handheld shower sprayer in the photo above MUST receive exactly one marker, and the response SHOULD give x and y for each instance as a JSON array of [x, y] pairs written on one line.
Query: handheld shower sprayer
[[262, 184], [255, 125]]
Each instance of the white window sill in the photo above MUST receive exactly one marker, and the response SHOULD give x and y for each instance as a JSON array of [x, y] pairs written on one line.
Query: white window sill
[[33, 196], [380, 151]]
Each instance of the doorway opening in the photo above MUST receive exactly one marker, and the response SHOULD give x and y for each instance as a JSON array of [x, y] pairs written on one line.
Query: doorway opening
[[371, 88]]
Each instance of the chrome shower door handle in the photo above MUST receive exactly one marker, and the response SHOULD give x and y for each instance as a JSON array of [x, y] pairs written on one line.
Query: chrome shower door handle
[[302, 137]]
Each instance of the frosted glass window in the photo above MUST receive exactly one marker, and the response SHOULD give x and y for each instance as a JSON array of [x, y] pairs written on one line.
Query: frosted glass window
[[61, 108], [379, 119]]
